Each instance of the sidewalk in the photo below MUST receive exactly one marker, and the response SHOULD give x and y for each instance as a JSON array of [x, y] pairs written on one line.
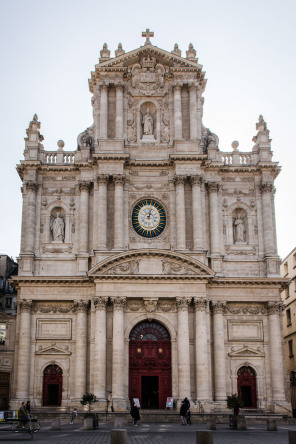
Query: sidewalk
[[153, 433]]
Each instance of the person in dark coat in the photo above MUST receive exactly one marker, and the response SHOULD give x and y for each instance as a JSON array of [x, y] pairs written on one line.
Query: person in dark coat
[[135, 413], [187, 403], [183, 411]]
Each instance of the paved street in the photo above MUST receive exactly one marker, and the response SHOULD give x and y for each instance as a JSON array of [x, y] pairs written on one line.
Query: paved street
[[151, 433]]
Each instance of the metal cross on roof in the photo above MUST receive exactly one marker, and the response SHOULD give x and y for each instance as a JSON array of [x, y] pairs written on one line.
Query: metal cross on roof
[[147, 34]]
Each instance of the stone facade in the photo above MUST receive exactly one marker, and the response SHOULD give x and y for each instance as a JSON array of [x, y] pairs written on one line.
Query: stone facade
[[149, 222]]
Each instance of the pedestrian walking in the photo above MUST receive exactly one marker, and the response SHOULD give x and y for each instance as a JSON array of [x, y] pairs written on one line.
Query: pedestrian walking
[[135, 413], [23, 414], [74, 415], [183, 411], [188, 417]]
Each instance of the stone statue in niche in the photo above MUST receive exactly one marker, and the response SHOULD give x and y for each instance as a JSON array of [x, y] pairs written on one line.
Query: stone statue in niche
[[57, 227], [147, 124], [239, 229]]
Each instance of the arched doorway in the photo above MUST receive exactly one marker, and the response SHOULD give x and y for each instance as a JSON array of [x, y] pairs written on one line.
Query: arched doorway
[[52, 385], [150, 372], [246, 387]]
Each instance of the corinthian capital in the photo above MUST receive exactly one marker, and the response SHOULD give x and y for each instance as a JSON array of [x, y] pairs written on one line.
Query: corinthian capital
[[274, 307], [267, 187], [182, 303], [85, 185], [100, 303], [200, 304], [81, 306], [119, 179], [213, 187], [218, 307], [195, 180], [25, 306], [179, 180], [118, 303], [31, 185], [103, 179]]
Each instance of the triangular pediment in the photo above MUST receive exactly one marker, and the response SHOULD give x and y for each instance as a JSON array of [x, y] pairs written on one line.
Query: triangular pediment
[[52, 350], [151, 263], [246, 352]]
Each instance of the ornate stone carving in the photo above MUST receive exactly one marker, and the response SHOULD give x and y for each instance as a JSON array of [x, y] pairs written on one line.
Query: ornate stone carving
[[85, 185], [165, 129], [213, 187], [182, 303], [86, 138], [134, 173], [200, 304], [53, 308], [25, 305], [275, 307], [81, 306], [176, 50], [196, 180], [31, 185], [100, 303], [103, 179], [131, 128], [191, 53], [134, 305], [218, 307], [267, 187], [105, 53], [239, 230], [147, 76], [166, 306], [246, 309], [150, 305], [119, 51], [131, 267], [169, 267], [118, 302], [179, 180], [57, 227], [119, 179]]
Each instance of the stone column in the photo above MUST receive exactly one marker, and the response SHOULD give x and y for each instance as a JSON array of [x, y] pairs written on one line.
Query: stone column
[[178, 112], [31, 188], [119, 112], [104, 112], [84, 187], [201, 350], [102, 211], [118, 349], [267, 214], [23, 363], [219, 352], [81, 348], [180, 212], [276, 358], [197, 212], [193, 112], [118, 211], [214, 217], [100, 347], [183, 348]]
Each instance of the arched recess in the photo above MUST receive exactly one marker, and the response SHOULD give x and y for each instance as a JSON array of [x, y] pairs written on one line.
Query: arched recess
[[154, 108], [247, 386], [248, 216], [150, 368], [52, 385], [50, 212]]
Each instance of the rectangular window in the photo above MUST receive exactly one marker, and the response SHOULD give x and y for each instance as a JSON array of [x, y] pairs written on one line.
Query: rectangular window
[[288, 316], [2, 334], [290, 345], [285, 269], [8, 302]]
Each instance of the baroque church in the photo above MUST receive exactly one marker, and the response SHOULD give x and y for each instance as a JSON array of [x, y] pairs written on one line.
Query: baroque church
[[148, 266]]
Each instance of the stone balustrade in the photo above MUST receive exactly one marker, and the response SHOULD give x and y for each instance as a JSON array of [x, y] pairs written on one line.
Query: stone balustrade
[[53, 158]]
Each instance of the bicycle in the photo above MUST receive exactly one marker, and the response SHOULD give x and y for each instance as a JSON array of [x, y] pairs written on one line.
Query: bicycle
[[32, 426]]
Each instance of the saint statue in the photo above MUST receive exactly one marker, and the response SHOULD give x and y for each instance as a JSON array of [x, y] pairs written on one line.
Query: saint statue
[[57, 227], [148, 123], [239, 229]]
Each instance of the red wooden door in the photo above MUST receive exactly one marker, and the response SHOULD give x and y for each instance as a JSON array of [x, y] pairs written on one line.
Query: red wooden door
[[52, 385], [150, 373], [246, 387]]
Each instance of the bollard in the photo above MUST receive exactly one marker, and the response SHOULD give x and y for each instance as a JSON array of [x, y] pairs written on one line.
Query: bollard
[[271, 425], [88, 424], [204, 437], [118, 422], [241, 423], [211, 424], [292, 436], [118, 436], [55, 424]]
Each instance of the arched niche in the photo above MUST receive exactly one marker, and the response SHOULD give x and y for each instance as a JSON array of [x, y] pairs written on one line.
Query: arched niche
[[49, 215], [57, 225], [239, 226]]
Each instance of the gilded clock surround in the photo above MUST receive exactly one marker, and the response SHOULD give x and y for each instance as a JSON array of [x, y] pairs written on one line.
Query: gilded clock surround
[[148, 218]]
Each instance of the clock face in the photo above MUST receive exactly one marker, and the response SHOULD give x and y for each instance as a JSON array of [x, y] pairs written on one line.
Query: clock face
[[148, 218]]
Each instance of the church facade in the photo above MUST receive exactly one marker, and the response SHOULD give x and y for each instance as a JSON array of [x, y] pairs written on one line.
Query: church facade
[[148, 265]]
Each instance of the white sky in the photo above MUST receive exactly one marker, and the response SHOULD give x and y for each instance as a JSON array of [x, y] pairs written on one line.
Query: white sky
[[49, 47]]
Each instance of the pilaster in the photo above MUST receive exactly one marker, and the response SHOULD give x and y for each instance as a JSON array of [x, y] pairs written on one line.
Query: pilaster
[[219, 350]]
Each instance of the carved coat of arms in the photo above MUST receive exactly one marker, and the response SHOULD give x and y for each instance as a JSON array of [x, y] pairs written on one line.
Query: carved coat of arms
[[148, 76]]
